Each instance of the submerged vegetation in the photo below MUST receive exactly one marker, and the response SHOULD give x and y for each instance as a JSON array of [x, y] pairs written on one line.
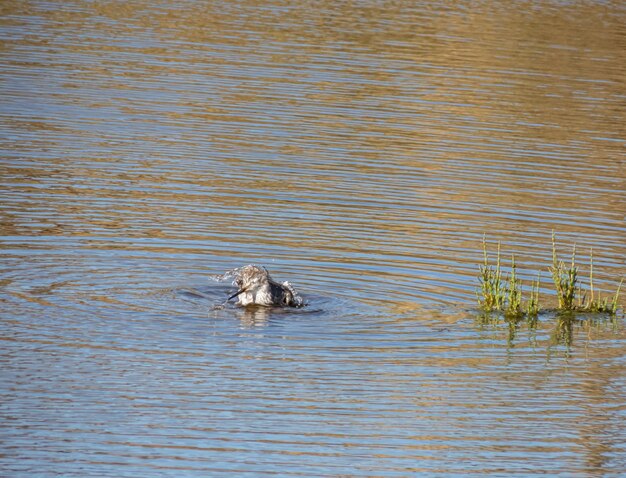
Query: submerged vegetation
[[502, 292]]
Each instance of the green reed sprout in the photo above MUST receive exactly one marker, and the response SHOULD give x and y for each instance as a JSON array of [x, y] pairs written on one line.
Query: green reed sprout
[[532, 306], [599, 304], [503, 293], [604, 304], [614, 302], [565, 279], [500, 293], [492, 287], [514, 292]]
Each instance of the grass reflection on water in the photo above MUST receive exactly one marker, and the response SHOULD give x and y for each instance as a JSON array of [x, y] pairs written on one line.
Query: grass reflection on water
[[553, 330]]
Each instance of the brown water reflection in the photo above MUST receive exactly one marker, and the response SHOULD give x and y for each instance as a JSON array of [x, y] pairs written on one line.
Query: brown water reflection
[[358, 150]]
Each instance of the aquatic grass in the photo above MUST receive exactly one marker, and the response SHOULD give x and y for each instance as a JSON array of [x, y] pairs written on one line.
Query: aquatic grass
[[503, 293], [565, 279], [500, 294], [514, 293], [600, 304], [615, 301], [503, 305], [492, 288], [532, 305], [607, 304]]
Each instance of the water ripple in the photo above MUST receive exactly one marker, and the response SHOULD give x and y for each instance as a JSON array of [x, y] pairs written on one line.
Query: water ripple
[[360, 151]]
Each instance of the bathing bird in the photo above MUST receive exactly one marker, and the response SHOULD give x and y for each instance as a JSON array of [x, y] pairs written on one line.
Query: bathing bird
[[256, 287]]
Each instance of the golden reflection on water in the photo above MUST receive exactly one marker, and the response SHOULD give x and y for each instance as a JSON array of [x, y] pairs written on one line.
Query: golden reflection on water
[[361, 150]]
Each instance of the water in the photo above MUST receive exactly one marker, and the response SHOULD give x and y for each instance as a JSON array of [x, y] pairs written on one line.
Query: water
[[359, 151]]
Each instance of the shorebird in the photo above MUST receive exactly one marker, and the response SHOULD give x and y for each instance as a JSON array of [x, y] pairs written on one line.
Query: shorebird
[[256, 287]]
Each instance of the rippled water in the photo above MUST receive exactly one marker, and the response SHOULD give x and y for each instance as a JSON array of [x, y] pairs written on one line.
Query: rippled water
[[358, 150]]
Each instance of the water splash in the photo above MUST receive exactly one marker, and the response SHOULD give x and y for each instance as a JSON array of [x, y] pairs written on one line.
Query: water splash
[[245, 274]]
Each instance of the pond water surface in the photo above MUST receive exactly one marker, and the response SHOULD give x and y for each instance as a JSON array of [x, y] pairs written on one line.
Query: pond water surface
[[360, 150]]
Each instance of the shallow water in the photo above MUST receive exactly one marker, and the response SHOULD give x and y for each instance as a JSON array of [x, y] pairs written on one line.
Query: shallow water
[[359, 151]]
